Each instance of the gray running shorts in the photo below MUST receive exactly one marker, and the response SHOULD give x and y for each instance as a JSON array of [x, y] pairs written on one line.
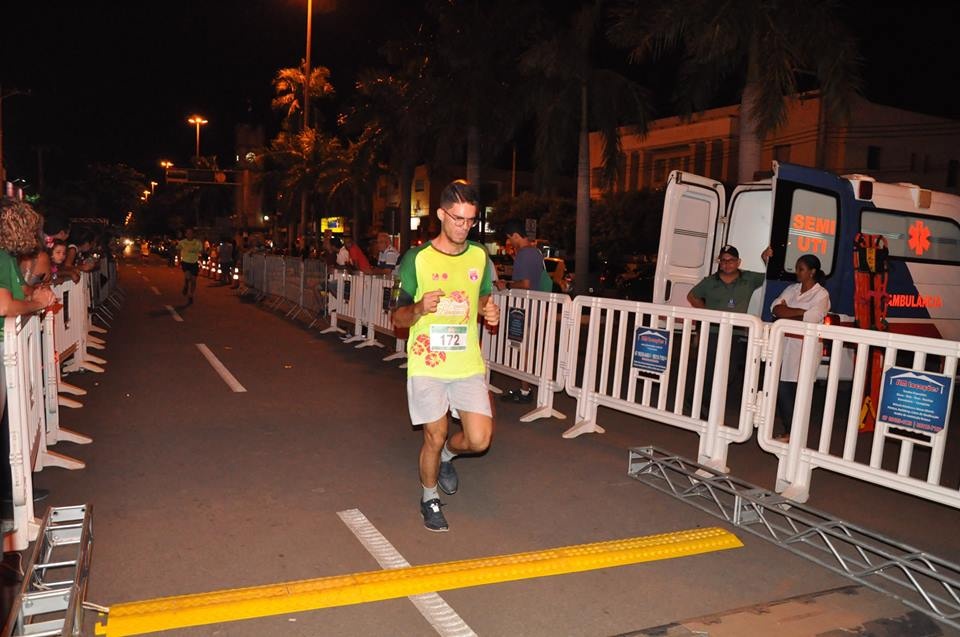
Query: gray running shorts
[[430, 398]]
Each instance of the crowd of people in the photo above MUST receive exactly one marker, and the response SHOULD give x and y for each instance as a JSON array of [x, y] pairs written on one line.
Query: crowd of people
[[36, 253]]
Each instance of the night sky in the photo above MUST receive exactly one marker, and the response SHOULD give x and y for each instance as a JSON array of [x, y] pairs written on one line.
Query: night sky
[[116, 81]]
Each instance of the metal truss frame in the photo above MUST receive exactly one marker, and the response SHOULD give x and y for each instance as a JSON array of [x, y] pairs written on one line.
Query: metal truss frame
[[916, 578]]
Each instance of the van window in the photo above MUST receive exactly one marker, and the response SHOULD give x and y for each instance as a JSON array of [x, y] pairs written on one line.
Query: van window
[[812, 229], [695, 215], [915, 237], [751, 214]]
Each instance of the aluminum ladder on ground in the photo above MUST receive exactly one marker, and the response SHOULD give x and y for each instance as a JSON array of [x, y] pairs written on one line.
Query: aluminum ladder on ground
[[916, 578], [52, 597]]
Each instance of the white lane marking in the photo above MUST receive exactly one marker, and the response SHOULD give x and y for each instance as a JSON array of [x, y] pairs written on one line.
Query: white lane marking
[[433, 607], [174, 314], [155, 290], [144, 277], [221, 369]]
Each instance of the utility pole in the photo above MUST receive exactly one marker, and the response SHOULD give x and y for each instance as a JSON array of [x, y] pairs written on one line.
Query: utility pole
[[306, 123], [4, 95]]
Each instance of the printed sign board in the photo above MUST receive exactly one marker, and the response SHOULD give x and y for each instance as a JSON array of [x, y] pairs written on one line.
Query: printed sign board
[[516, 319], [651, 350], [914, 400]]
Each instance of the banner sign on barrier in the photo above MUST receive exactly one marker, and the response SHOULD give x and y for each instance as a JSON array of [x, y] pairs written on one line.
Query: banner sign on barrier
[[516, 319], [916, 400], [387, 300], [651, 350]]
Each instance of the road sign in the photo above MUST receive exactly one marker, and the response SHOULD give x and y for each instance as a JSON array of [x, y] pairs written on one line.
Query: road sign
[[204, 176]]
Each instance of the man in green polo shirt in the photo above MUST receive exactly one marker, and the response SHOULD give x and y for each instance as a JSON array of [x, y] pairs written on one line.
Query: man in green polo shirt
[[729, 289]]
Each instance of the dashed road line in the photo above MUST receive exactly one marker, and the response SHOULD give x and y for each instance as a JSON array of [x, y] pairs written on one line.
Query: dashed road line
[[155, 290], [221, 369], [176, 316], [433, 607]]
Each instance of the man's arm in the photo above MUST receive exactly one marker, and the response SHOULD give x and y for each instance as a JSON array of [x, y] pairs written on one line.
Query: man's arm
[[407, 315], [695, 301], [489, 310], [9, 306]]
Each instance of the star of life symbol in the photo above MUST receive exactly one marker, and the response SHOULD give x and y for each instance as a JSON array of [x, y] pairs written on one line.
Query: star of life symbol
[[919, 237]]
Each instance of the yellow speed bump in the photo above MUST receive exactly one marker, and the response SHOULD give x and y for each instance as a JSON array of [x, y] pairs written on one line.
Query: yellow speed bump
[[165, 613]]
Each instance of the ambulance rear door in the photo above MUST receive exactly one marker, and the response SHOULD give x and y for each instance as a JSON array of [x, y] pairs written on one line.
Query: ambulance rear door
[[692, 230]]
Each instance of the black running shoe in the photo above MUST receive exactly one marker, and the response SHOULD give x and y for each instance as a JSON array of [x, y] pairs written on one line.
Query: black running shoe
[[517, 396], [433, 517], [447, 480]]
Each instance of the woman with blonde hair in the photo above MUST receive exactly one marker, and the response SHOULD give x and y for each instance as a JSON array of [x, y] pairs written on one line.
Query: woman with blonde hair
[[19, 234]]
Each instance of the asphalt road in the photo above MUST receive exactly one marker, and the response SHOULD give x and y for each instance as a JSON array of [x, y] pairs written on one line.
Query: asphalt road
[[197, 488]]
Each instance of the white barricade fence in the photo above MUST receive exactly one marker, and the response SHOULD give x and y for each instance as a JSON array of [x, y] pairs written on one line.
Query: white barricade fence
[[293, 285], [907, 456], [53, 385], [376, 313], [275, 278], [314, 288], [531, 343], [654, 381], [67, 330], [26, 412], [254, 273], [337, 286]]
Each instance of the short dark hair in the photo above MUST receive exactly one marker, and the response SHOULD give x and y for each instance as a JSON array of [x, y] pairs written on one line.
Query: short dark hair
[[459, 191], [813, 262], [512, 226]]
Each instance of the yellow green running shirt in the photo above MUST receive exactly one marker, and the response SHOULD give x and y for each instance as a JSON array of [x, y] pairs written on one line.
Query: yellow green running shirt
[[445, 344]]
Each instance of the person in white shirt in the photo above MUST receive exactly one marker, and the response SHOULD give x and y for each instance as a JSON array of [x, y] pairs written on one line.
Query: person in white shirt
[[387, 257], [805, 300]]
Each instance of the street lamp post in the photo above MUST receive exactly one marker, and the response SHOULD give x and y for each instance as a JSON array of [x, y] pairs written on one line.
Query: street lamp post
[[198, 121], [306, 123]]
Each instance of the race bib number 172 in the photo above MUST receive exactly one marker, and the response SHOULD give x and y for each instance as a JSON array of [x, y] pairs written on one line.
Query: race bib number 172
[[448, 338]]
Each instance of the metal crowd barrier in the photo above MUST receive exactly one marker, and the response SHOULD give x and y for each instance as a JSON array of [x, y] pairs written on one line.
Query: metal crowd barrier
[[657, 387], [906, 450], [531, 344]]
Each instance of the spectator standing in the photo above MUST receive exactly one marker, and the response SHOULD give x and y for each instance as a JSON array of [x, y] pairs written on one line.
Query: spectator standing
[[805, 300], [444, 286], [225, 253], [387, 257], [729, 289], [357, 258], [189, 249], [20, 228], [529, 273]]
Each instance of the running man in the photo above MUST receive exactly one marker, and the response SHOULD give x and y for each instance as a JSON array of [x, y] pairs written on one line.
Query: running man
[[189, 249], [444, 285]]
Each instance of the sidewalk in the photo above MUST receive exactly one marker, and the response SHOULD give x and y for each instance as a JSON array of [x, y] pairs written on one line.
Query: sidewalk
[[198, 488]]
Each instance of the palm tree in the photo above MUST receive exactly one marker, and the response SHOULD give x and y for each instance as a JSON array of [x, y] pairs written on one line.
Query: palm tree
[[397, 109], [288, 89], [570, 90], [767, 46]]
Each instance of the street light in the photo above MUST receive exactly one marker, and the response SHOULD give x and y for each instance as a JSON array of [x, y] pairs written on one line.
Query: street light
[[166, 164], [198, 121]]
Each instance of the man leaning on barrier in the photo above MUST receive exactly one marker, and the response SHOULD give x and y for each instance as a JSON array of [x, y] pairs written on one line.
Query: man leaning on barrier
[[728, 289], [444, 285]]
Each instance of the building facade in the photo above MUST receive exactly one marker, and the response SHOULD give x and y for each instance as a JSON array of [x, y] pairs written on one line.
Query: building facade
[[889, 144]]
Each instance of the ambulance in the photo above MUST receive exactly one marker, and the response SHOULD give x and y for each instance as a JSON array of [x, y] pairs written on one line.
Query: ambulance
[[802, 210]]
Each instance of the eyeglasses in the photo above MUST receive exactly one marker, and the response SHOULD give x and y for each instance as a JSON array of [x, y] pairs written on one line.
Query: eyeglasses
[[470, 222]]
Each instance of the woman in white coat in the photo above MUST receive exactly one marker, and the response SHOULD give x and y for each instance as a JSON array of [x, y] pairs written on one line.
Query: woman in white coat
[[805, 300]]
